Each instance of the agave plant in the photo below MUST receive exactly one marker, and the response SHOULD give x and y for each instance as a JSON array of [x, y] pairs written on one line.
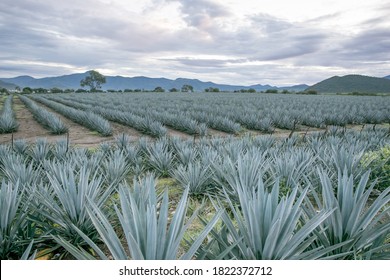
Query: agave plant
[[61, 149], [292, 167], [90, 160], [143, 219], [264, 142], [20, 146], [5, 150], [152, 127], [202, 129], [360, 223], [348, 159], [20, 171], [16, 231], [8, 122], [40, 151], [196, 177], [266, 125], [246, 172], [63, 202], [186, 154], [115, 167], [122, 141], [160, 158], [265, 226], [132, 154]]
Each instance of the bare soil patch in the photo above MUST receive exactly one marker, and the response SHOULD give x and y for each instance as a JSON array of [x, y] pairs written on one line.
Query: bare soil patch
[[217, 133], [176, 133]]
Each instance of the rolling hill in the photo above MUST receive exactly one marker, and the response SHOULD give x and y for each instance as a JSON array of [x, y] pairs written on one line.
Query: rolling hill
[[352, 83]]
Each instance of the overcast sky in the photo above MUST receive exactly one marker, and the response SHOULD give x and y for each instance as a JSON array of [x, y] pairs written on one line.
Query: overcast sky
[[241, 42]]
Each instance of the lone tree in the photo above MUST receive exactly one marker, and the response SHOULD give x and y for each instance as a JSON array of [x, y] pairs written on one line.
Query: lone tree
[[159, 89], [94, 80], [187, 88]]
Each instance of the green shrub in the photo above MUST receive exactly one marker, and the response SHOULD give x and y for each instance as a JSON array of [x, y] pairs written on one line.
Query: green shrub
[[379, 162]]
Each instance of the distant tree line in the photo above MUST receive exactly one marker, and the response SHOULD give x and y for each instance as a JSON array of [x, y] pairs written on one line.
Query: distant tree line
[[3, 91], [184, 88], [251, 90], [285, 91]]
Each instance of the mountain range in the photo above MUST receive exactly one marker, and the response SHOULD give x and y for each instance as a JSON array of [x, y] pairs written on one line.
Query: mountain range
[[344, 84], [353, 83], [120, 83]]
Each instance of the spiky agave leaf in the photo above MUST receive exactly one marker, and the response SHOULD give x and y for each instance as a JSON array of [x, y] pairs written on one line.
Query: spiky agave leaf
[[20, 171], [292, 166], [160, 158], [267, 227], [8, 122], [64, 200], [20, 146], [356, 219], [15, 230], [246, 172], [148, 234], [196, 177], [40, 150], [115, 167]]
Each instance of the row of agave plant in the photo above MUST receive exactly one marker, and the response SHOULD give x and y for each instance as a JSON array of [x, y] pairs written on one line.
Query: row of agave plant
[[233, 112], [86, 118], [124, 116], [44, 117], [8, 121], [310, 198], [153, 123]]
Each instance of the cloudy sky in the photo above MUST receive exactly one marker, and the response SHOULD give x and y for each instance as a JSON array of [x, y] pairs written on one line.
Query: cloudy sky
[[226, 41]]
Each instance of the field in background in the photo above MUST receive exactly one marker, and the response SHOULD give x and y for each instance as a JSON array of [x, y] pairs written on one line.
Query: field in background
[[194, 176], [94, 118]]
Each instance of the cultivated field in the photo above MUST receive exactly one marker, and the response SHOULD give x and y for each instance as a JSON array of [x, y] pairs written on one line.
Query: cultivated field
[[194, 176], [93, 118]]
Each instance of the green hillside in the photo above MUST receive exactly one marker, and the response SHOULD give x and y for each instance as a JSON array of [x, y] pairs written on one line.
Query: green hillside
[[352, 83]]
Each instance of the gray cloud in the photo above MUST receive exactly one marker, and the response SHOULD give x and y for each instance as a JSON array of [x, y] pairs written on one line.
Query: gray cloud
[[369, 45], [200, 13], [59, 37], [270, 38]]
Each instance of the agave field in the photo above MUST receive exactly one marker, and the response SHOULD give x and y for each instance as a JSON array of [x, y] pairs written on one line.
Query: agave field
[[321, 195], [325, 196], [152, 113], [155, 114]]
